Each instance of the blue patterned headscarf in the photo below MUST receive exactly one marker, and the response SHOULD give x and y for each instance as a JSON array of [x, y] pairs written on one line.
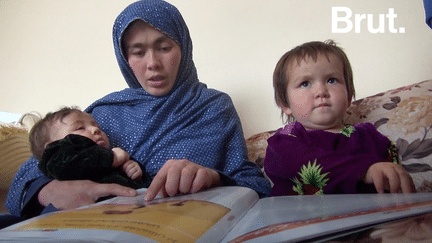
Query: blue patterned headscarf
[[191, 122], [165, 18]]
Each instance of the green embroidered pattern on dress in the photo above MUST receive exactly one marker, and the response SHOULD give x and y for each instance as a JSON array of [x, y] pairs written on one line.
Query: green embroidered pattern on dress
[[347, 131], [311, 176], [394, 153]]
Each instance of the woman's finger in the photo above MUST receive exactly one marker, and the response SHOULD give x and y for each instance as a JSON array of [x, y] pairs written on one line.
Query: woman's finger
[[201, 181], [188, 175], [173, 181], [157, 184]]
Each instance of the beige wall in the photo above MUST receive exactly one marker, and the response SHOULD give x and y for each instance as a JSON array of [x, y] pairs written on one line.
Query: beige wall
[[59, 52]]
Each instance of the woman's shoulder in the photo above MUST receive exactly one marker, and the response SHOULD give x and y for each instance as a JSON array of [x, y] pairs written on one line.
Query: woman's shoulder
[[216, 93], [127, 95], [217, 99]]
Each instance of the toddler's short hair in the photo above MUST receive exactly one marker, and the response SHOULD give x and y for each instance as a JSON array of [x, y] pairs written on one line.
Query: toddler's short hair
[[299, 53], [39, 134]]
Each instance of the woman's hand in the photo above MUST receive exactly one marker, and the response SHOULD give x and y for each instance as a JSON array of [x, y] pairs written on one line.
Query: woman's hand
[[73, 194], [389, 176], [181, 176]]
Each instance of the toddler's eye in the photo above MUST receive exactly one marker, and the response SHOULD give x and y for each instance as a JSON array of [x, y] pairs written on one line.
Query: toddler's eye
[[332, 81], [305, 84]]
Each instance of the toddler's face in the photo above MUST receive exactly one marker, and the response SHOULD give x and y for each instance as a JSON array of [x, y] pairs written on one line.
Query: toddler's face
[[317, 93], [79, 123]]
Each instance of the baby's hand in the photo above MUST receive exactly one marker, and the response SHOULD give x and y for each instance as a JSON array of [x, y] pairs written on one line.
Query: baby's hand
[[389, 176], [132, 169], [120, 157]]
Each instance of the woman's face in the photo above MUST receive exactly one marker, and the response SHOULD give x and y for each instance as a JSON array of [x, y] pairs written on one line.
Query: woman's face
[[153, 56]]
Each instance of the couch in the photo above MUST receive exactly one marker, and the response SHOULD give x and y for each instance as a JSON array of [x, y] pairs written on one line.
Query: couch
[[403, 114]]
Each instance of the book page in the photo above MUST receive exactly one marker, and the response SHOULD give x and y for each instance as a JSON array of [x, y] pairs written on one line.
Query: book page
[[186, 218], [417, 228], [294, 218]]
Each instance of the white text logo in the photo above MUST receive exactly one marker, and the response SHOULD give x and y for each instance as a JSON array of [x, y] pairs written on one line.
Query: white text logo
[[342, 22]]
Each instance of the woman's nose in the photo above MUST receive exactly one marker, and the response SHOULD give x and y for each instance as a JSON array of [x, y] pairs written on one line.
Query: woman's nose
[[152, 61]]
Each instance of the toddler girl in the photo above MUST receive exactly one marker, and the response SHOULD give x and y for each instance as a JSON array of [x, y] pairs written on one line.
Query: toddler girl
[[316, 153]]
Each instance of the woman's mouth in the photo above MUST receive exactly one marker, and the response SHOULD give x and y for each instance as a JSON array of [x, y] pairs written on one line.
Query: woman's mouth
[[156, 80]]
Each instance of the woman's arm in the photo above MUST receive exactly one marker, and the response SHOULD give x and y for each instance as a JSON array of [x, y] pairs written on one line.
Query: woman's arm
[[73, 194], [61, 194]]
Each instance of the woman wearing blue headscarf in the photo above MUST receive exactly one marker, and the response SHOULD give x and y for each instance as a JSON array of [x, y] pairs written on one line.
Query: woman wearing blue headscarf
[[187, 137], [428, 12]]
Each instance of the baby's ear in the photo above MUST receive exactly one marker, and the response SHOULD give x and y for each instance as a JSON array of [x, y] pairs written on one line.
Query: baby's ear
[[47, 142]]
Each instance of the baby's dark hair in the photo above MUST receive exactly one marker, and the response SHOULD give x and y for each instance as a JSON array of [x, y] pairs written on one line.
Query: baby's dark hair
[[39, 134], [300, 53]]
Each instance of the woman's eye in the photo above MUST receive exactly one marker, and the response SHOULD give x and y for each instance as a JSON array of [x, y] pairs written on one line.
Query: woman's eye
[[165, 48], [138, 53]]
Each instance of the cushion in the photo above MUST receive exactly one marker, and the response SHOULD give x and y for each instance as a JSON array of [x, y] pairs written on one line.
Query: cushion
[[14, 150]]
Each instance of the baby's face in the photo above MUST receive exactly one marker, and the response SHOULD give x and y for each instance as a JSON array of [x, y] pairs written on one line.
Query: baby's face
[[79, 123]]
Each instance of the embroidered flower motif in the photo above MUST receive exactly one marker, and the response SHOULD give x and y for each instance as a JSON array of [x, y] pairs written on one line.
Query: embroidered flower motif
[[412, 114], [312, 181], [347, 131]]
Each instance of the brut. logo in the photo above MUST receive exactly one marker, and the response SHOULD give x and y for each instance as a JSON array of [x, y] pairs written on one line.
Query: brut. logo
[[343, 23]]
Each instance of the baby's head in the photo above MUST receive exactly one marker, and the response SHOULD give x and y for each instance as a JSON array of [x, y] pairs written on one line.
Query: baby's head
[[310, 51], [57, 125]]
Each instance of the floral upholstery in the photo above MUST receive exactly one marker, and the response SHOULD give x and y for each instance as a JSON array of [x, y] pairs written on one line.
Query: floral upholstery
[[404, 115]]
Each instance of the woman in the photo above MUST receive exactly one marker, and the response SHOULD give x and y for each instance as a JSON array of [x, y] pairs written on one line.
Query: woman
[[188, 137]]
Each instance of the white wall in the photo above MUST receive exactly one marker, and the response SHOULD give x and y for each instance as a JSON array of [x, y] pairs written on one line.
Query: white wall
[[59, 52]]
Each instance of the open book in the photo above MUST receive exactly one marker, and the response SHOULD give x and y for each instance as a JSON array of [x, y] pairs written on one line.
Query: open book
[[223, 214]]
